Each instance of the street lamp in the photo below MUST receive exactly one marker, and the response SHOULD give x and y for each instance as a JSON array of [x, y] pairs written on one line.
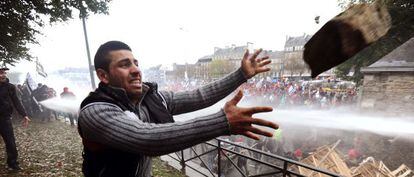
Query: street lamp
[[91, 68]]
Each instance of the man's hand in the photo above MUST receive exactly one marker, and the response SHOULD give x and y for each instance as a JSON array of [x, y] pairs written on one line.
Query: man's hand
[[251, 65], [241, 120], [26, 121]]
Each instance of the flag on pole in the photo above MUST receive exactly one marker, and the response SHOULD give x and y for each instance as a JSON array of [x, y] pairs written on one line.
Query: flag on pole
[[31, 84], [39, 69]]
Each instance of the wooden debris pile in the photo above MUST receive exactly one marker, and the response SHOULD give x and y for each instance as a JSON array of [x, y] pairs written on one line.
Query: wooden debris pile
[[371, 167], [329, 159], [325, 157]]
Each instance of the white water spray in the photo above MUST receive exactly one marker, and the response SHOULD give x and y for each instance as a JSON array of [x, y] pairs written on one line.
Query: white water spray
[[62, 105], [327, 119], [335, 119]]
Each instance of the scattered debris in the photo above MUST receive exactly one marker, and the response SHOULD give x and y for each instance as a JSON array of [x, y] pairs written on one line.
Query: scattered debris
[[326, 157], [371, 168]]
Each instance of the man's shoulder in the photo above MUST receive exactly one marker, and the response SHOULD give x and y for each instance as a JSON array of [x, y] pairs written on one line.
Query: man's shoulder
[[100, 106], [95, 97], [11, 86], [152, 86]]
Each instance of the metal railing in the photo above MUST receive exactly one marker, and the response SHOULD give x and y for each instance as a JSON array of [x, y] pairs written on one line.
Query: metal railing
[[223, 154]]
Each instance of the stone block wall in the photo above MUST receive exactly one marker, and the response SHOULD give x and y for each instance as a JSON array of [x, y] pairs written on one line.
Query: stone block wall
[[388, 92]]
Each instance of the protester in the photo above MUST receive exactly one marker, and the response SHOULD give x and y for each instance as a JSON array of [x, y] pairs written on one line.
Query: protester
[[125, 122], [68, 95], [9, 98]]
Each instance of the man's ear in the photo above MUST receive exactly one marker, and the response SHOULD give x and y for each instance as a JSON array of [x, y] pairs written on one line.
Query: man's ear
[[102, 75]]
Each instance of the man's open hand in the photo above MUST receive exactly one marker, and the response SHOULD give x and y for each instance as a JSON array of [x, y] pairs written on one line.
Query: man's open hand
[[251, 65], [26, 121], [241, 120]]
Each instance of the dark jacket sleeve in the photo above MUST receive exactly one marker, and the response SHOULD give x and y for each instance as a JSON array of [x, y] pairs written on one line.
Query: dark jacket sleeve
[[16, 101]]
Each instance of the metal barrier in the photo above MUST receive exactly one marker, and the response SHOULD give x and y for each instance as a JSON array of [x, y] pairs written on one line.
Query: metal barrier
[[224, 152]]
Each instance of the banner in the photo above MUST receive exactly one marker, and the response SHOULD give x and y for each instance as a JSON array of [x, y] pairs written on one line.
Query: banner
[[30, 82], [39, 69]]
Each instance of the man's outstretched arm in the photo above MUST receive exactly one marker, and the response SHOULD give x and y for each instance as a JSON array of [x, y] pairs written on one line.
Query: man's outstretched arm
[[107, 124]]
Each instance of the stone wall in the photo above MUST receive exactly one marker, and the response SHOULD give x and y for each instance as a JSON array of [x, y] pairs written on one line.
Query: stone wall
[[388, 92]]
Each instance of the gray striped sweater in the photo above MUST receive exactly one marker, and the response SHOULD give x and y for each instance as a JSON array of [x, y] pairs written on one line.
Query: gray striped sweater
[[107, 124]]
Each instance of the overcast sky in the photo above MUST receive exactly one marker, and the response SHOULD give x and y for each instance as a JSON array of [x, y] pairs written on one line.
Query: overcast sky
[[179, 31]]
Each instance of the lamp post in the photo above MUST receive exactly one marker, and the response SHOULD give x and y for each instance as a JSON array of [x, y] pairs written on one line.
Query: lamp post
[[91, 68]]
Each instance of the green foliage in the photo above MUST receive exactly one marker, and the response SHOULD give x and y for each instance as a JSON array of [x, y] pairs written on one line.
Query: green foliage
[[402, 29], [21, 20], [346, 3], [218, 68]]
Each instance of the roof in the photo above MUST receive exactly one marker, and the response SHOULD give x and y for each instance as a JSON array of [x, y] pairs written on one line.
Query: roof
[[400, 59], [297, 41], [204, 60], [230, 50], [207, 57], [275, 54]]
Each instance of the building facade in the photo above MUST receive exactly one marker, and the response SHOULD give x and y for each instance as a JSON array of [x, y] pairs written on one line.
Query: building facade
[[293, 64], [389, 83]]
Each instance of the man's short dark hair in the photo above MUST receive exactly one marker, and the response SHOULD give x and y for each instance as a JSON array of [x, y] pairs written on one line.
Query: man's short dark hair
[[101, 59]]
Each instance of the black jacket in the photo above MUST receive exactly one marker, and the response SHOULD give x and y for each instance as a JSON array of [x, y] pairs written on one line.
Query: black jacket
[[8, 99], [103, 161]]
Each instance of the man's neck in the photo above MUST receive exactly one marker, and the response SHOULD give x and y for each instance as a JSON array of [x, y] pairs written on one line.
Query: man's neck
[[135, 99]]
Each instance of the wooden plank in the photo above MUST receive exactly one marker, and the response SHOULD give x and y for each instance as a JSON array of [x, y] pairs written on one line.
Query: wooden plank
[[344, 167], [345, 35], [330, 150], [405, 174]]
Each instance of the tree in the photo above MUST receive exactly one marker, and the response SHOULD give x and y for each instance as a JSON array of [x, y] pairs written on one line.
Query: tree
[[21, 21], [295, 66], [220, 67], [402, 29]]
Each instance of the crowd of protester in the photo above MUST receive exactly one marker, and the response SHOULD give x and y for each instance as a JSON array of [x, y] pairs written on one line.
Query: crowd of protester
[[31, 101], [316, 94], [320, 94]]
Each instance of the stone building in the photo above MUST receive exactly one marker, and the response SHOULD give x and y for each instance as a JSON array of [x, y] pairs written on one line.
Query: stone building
[[389, 83], [233, 52], [181, 72], [228, 59], [155, 74], [293, 64], [202, 68], [277, 63]]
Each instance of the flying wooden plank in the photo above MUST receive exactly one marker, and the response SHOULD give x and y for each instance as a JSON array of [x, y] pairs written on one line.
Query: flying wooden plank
[[345, 35]]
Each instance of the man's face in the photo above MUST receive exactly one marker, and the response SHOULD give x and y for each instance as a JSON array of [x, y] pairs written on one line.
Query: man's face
[[3, 76], [124, 72]]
